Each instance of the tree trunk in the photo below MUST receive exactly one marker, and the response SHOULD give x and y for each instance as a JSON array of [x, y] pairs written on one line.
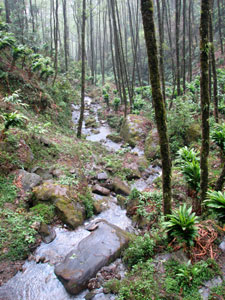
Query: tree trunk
[[160, 112], [7, 12], [79, 129], [204, 62], [66, 47]]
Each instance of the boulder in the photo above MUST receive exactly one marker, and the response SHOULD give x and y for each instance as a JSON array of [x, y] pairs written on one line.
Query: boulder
[[119, 187], [91, 123], [100, 190], [135, 129], [133, 172], [114, 138], [152, 148], [45, 174], [68, 207], [47, 233], [100, 248], [100, 205], [102, 176], [28, 180]]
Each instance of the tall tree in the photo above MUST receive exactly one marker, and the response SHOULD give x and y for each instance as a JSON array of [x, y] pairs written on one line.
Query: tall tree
[[7, 11], [160, 111], [204, 62], [66, 46], [80, 122]]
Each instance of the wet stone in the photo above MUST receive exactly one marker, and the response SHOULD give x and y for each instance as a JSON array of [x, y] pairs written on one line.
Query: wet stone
[[100, 248], [100, 190]]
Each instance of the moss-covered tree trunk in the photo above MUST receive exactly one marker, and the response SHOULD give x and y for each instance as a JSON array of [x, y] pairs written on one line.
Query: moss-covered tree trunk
[[160, 112], [204, 61]]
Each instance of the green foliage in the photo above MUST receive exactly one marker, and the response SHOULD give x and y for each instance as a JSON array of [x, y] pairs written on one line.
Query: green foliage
[[218, 292], [15, 99], [140, 249], [43, 65], [179, 120], [14, 119], [218, 136], [45, 212], [190, 167], [69, 179], [8, 191], [182, 225], [145, 285], [149, 205], [188, 278], [138, 104], [7, 40], [87, 200], [216, 202], [116, 103], [187, 155], [39, 129], [20, 51], [17, 233]]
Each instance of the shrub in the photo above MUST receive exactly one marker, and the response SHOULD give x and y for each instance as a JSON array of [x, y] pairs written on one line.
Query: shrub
[[216, 202], [182, 225], [46, 212], [116, 103], [218, 136], [14, 119], [190, 167], [140, 249]]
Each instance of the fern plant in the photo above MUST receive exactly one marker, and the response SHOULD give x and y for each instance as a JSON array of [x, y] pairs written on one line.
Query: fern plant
[[13, 119], [216, 202], [188, 160], [15, 99], [182, 225], [218, 136], [7, 40]]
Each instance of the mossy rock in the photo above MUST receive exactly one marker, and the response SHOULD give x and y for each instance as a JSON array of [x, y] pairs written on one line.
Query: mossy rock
[[114, 138], [193, 133], [115, 121], [121, 200], [68, 207], [152, 148], [134, 129], [91, 123], [100, 205]]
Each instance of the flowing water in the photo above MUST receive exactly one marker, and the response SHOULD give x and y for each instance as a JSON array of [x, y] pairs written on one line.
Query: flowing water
[[37, 281]]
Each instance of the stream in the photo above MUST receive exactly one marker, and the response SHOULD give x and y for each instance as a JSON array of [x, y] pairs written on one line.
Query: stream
[[37, 281]]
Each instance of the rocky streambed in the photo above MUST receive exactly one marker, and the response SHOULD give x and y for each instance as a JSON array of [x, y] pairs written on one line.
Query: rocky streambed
[[49, 273]]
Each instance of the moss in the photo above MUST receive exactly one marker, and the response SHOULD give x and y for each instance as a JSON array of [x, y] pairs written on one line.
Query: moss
[[46, 212]]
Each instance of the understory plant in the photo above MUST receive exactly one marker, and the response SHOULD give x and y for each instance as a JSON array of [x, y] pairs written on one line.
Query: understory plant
[[182, 225], [216, 202], [189, 163]]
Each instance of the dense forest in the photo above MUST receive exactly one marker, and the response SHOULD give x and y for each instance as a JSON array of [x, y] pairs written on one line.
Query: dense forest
[[112, 149]]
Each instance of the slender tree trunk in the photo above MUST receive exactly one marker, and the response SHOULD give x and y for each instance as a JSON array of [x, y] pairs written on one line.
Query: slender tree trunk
[[79, 129], [184, 49], [32, 16], [160, 112], [220, 26], [190, 39], [178, 5], [7, 12], [66, 46], [56, 29], [204, 62], [213, 61], [220, 181]]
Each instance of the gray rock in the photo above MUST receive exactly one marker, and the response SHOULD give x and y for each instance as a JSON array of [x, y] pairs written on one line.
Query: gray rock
[[222, 246], [119, 187], [102, 176], [101, 247], [205, 290], [100, 190], [28, 180], [47, 233], [43, 173]]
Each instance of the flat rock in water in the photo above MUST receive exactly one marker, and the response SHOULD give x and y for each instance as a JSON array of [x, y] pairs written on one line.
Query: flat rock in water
[[98, 249], [100, 190]]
